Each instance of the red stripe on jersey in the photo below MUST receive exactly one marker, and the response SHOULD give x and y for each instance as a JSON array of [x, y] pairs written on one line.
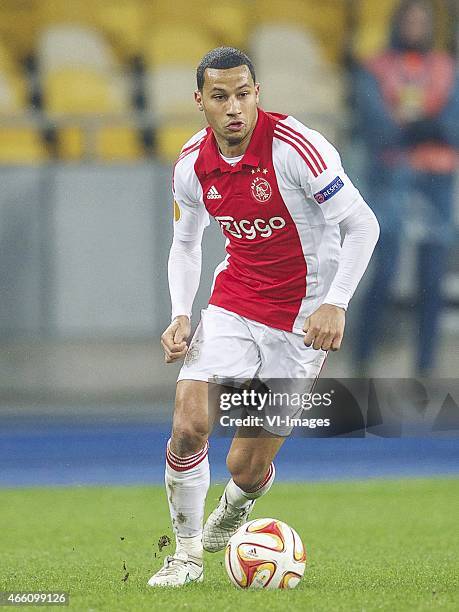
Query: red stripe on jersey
[[299, 151], [185, 149], [190, 150], [308, 151], [308, 142]]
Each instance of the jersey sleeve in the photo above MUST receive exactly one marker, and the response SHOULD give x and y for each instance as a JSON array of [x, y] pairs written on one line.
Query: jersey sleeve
[[319, 171], [190, 214]]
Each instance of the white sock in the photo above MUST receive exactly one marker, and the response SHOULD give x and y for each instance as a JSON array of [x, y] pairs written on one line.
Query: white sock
[[191, 546], [187, 482], [239, 498]]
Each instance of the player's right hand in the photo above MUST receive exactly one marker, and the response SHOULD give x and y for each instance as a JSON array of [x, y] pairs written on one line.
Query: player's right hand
[[174, 339]]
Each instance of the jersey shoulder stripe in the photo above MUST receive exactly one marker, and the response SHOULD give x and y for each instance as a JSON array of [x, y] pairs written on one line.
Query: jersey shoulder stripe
[[195, 147], [305, 140], [194, 139], [189, 150], [182, 166], [303, 145], [192, 143], [299, 150], [312, 160]]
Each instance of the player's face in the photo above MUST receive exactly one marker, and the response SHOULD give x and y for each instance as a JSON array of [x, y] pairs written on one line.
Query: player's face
[[229, 99]]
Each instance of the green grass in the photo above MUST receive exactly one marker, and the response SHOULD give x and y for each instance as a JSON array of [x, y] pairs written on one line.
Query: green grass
[[376, 545]]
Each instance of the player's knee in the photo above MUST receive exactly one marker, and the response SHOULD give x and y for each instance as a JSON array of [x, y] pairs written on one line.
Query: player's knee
[[186, 439], [189, 435], [190, 428]]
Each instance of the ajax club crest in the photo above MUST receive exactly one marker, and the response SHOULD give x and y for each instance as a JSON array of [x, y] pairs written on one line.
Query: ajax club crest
[[261, 189]]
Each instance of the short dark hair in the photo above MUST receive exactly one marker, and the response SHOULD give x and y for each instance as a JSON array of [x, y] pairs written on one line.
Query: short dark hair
[[222, 58]]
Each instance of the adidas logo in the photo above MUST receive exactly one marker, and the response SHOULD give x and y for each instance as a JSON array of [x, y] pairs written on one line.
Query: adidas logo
[[213, 194]]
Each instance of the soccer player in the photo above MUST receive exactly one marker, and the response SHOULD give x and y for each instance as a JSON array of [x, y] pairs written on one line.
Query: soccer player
[[282, 199]]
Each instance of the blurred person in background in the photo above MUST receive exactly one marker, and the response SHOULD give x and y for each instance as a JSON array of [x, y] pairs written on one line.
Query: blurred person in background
[[408, 114]]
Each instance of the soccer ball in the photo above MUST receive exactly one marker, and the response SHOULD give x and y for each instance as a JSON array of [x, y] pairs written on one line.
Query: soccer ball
[[265, 554]]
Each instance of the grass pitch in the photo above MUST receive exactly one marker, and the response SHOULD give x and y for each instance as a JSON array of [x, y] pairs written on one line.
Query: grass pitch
[[375, 545]]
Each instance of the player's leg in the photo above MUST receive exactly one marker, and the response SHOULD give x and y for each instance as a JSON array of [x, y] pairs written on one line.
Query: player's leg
[[187, 466], [187, 479], [221, 346], [250, 462], [286, 365]]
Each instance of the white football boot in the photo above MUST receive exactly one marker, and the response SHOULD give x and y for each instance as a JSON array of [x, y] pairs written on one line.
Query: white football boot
[[224, 521], [178, 570]]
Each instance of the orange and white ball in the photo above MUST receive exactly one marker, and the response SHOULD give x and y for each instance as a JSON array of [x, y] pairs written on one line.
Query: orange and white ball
[[265, 554]]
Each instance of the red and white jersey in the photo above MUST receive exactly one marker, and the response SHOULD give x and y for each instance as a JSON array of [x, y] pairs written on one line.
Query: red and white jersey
[[279, 208]]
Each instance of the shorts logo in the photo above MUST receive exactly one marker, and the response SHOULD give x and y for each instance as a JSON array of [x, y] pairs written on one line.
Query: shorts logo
[[261, 189], [192, 355], [329, 191], [250, 229]]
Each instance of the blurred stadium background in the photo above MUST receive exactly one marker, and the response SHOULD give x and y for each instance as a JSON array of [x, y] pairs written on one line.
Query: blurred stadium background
[[95, 103]]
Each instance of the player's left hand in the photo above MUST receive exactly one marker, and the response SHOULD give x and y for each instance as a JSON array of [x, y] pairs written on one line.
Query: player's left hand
[[324, 329]]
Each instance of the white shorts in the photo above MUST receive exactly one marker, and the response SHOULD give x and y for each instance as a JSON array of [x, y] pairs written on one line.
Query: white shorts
[[226, 345]]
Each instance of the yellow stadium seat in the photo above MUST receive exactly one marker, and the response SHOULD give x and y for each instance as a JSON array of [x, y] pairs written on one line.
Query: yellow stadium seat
[[228, 22], [74, 46], [119, 143], [181, 12], [369, 41], [171, 138], [12, 93], [170, 92], [373, 27], [109, 143], [327, 22], [19, 21], [75, 12], [82, 92], [124, 24], [71, 143], [21, 145], [176, 44], [277, 11], [122, 21], [285, 46], [7, 64]]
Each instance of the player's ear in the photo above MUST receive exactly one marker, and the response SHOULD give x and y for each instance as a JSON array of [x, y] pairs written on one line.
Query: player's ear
[[257, 92], [198, 99]]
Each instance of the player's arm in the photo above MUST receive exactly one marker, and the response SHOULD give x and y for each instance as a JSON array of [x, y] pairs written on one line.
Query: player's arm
[[325, 327], [337, 201], [184, 273], [184, 265]]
